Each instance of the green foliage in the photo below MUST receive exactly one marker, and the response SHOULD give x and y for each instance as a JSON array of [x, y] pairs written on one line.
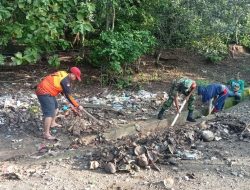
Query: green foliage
[[202, 82], [18, 59], [54, 61], [128, 15], [78, 59], [43, 25], [245, 40], [30, 56], [176, 25], [2, 59], [124, 82], [117, 51], [181, 23], [119, 31], [213, 48]]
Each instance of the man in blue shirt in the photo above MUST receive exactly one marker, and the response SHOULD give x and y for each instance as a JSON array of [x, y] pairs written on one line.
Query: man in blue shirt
[[217, 92]]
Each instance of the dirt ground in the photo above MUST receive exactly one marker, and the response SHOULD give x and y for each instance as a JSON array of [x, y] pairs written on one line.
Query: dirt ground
[[224, 164]]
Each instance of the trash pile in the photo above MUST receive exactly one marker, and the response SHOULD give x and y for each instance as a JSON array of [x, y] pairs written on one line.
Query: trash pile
[[75, 124], [235, 121], [19, 112], [148, 151], [126, 159], [22, 111], [133, 105]]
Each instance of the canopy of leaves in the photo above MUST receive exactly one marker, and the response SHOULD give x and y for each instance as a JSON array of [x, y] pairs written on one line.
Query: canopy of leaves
[[44, 27]]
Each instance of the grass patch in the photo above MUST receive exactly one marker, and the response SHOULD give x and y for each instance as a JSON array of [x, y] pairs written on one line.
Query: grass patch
[[202, 82]]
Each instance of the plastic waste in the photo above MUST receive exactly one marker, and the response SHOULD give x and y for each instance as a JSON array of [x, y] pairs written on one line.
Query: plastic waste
[[65, 108]]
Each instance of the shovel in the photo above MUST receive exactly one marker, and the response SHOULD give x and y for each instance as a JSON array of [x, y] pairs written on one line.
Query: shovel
[[211, 107], [178, 114]]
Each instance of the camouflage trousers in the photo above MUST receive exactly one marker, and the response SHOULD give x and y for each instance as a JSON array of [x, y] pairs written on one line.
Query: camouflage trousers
[[168, 103]]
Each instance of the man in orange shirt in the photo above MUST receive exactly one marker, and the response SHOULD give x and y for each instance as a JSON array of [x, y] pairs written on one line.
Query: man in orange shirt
[[48, 89]]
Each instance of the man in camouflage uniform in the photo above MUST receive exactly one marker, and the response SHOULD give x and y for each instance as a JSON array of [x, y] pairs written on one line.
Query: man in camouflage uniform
[[184, 86]]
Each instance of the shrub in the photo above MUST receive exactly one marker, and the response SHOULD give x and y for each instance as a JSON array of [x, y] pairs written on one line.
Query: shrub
[[2, 59], [212, 47], [116, 52], [30, 56], [54, 61], [245, 40]]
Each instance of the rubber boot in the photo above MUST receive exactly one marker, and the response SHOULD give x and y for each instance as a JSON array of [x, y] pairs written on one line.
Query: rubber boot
[[237, 99], [190, 116], [160, 114]]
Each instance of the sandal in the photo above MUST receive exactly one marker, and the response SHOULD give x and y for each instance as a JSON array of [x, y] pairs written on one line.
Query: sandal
[[56, 125], [49, 137]]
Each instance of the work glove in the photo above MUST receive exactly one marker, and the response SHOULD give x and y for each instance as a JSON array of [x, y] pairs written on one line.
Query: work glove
[[80, 108], [76, 111], [178, 109]]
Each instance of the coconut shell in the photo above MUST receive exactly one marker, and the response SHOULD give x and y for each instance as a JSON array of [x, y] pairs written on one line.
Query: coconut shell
[[94, 165], [142, 160], [139, 150]]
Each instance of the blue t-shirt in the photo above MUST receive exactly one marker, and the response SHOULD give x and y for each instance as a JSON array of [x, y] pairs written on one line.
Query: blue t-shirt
[[210, 91]]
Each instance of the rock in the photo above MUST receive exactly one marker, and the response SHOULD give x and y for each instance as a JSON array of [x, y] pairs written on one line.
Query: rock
[[12, 176], [94, 165], [207, 135], [246, 133], [172, 161], [76, 131], [110, 168], [137, 127]]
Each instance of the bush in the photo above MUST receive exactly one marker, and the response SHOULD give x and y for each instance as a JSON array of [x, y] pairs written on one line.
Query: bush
[[54, 61], [30, 56], [212, 47], [2, 59], [116, 52], [47, 25], [245, 40]]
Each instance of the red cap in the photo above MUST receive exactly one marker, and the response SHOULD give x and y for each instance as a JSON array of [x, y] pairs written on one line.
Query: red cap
[[76, 72]]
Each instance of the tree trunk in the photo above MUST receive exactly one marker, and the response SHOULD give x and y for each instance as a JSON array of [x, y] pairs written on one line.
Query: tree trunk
[[158, 58], [113, 17], [107, 16], [107, 21]]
